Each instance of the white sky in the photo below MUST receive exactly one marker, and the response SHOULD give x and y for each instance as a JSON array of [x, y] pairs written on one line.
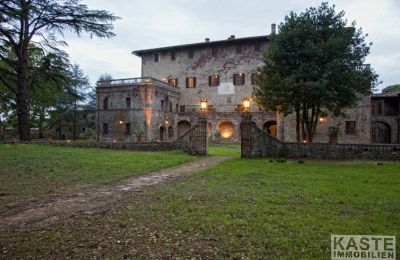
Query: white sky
[[158, 23]]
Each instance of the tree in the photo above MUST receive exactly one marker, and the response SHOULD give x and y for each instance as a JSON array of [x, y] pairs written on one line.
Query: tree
[[25, 21], [392, 89], [314, 66]]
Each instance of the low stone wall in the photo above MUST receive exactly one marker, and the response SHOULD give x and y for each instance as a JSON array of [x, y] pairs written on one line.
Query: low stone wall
[[145, 146], [260, 144]]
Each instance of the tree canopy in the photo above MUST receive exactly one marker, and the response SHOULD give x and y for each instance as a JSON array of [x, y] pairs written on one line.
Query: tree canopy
[[392, 89], [313, 66], [23, 22]]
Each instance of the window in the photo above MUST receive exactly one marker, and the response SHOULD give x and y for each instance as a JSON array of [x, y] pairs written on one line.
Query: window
[[173, 55], [214, 51], [176, 108], [238, 49], [191, 54], [350, 127], [128, 128], [83, 129], [254, 78], [170, 106], [229, 100], [173, 82], [162, 105], [84, 115], [128, 102], [257, 47], [105, 128], [105, 103], [156, 57], [182, 109], [238, 79], [213, 81], [191, 82]]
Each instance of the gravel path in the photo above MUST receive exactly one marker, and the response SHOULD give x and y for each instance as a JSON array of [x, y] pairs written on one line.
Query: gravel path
[[97, 199]]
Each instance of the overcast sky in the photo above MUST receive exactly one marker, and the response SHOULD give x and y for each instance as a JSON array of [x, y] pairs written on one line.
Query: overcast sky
[[157, 23]]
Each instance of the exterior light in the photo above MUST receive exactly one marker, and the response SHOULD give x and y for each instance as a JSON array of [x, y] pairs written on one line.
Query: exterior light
[[304, 141], [121, 122], [322, 119], [68, 141], [246, 103], [203, 104], [166, 122], [114, 141]]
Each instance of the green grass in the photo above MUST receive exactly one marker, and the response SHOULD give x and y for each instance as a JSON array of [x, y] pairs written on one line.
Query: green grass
[[36, 170], [240, 208], [224, 149]]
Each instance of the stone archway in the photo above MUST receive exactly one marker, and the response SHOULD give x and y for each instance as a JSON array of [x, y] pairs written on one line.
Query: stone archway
[[225, 129], [183, 127], [163, 133], [170, 132], [381, 132], [270, 127]]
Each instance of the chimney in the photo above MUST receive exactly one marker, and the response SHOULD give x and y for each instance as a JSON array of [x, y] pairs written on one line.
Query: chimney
[[207, 39], [273, 28], [232, 37]]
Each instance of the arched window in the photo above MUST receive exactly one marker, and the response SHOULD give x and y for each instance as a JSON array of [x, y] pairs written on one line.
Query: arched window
[[105, 103]]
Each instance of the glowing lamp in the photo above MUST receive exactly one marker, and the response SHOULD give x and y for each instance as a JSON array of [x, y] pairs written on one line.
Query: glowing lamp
[[246, 103], [203, 104], [166, 122], [322, 119], [121, 122]]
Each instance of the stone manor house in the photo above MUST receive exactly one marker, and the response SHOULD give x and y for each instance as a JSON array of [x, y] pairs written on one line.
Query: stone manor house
[[163, 103]]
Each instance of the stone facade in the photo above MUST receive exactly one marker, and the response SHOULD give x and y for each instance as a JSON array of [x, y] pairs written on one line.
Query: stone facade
[[258, 143], [219, 72], [385, 119], [129, 106]]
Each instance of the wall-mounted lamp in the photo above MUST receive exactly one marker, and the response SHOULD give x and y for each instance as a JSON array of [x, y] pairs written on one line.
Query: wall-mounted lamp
[[203, 105], [246, 104], [322, 119]]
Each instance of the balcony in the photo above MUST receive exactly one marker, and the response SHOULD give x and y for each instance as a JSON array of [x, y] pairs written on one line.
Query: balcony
[[133, 81]]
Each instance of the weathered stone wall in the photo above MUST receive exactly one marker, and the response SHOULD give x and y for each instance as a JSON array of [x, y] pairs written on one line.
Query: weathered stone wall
[[132, 146], [260, 144], [360, 113], [145, 113], [225, 63]]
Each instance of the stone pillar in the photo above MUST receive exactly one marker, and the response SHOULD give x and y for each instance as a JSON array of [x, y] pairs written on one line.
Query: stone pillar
[[245, 133], [203, 130]]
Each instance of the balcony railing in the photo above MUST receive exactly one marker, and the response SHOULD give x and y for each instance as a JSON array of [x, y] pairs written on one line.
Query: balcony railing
[[132, 81]]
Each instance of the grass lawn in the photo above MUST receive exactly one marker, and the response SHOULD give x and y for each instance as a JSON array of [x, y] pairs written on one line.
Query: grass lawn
[[224, 149], [240, 208], [36, 170]]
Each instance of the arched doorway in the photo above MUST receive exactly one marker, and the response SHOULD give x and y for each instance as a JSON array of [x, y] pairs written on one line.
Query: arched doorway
[[170, 132], [270, 127], [163, 132], [381, 133], [183, 127], [225, 129]]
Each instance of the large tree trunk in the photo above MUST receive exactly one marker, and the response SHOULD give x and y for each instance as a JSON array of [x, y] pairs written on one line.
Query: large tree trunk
[[22, 102], [22, 82], [41, 121]]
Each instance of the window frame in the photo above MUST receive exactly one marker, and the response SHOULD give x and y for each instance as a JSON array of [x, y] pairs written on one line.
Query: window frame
[[350, 127], [105, 103], [235, 80], [175, 80], [194, 82], [128, 102], [156, 57], [173, 55], [211, 79], [105, 128]]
